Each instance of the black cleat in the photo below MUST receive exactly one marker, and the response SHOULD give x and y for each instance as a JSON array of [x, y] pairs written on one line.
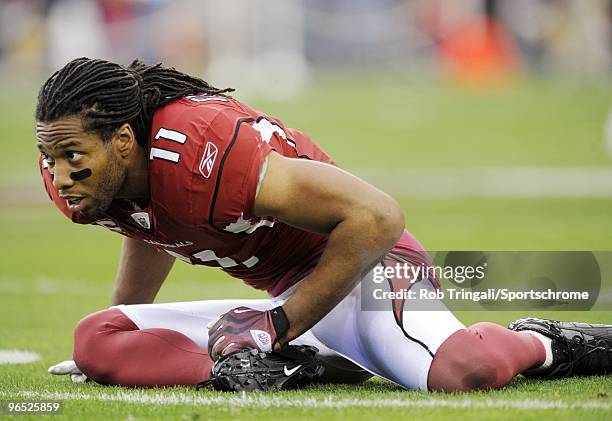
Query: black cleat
[[251, 370], [578, 348]]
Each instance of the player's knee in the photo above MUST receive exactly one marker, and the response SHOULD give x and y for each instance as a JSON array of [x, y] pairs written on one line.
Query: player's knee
[[92, 345], [481, 375], [457, 374], [466, 362]]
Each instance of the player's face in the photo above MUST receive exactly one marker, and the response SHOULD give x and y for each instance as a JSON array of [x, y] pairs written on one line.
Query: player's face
[[86, 171]]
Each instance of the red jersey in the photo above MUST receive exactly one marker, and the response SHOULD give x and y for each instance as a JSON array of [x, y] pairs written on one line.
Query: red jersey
[[205, 159], [205, 156]]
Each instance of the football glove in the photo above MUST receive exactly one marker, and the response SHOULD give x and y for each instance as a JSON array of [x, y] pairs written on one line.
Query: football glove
[[68, 367], [246, 328]]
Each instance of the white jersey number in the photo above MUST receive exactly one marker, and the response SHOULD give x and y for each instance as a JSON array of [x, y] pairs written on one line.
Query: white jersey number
[[166, 154], [210, 255]]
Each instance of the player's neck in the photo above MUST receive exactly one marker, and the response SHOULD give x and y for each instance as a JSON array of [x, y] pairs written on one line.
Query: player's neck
[[136, 185]]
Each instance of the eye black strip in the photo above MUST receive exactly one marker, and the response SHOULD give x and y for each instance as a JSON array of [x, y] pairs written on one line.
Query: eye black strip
[[81, 175]]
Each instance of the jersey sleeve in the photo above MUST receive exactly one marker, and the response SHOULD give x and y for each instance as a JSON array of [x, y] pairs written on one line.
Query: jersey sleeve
[[219, 147], [238, 175], [240, 168]]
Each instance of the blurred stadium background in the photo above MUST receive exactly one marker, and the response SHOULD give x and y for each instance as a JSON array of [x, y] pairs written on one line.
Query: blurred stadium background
[[490, 121]]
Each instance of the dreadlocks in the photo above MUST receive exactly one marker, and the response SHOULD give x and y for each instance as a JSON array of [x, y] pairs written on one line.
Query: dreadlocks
[[107, 95]]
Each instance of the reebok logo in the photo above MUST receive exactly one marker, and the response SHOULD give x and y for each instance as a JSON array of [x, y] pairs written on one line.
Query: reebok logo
[[208, 159]]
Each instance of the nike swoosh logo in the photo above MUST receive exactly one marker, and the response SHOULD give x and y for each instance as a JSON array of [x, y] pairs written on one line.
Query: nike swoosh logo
[[290, 372]]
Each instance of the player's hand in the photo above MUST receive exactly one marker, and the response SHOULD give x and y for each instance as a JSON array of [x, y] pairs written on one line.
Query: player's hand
[[246, 328], [68, 367]]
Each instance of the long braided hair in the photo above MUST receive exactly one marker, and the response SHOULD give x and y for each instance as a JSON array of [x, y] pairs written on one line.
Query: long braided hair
[[107, 95]]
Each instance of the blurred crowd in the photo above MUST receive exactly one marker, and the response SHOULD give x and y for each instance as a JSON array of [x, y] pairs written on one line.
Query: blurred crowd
[[262, 43]]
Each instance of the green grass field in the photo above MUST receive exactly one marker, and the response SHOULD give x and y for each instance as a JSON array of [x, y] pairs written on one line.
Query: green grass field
[[53, 272]]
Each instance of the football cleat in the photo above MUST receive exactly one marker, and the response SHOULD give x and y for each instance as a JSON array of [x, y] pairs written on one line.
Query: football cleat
[[577, 348], [252, 370]]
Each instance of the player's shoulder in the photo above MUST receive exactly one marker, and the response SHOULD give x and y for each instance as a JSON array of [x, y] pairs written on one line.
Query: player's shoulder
[[181, 129], [200, 115], [189, 138]]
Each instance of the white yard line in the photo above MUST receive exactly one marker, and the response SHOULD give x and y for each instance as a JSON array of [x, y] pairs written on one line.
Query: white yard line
[[17, 356], [266, 401], [493, 182]]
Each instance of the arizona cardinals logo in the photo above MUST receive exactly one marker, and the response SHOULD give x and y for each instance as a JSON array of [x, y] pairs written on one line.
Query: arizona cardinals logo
[[208, 159], [142, 219]]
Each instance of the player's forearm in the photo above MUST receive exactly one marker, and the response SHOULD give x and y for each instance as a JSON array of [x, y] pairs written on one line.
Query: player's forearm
[[354, 246], [142, 271]]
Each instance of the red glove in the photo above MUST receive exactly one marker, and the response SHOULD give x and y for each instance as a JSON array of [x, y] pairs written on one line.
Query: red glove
[[246, 328]]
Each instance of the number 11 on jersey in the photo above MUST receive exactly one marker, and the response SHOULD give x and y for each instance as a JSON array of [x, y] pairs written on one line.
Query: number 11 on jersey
[[166, 154]]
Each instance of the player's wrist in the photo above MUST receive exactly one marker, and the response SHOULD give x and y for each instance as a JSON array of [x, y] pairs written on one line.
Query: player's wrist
[[281, 325]]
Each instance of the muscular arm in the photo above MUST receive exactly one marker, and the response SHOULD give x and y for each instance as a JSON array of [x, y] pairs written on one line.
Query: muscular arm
[[363, 223], [142, 271]]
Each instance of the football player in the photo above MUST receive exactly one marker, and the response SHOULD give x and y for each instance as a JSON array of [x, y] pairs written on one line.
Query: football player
[[184, 171]]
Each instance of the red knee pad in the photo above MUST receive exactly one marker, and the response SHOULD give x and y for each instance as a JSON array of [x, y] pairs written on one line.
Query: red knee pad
[[483, 356], [91, 347]]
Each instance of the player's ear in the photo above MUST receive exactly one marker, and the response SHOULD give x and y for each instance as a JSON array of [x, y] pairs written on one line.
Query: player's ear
[[124, 140]]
